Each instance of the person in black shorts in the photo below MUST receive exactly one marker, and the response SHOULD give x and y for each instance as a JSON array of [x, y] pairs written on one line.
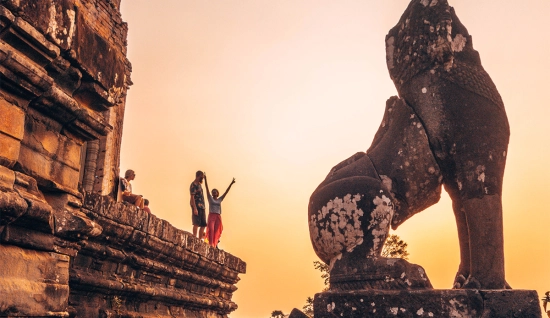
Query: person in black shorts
[[197, 205]]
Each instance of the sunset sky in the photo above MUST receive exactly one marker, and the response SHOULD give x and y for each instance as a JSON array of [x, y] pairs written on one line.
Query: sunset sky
[[277, 92]]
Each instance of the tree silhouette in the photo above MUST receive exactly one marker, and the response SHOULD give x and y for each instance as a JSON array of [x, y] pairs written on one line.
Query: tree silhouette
[[277, 314], [308, 307], [395, 247], [545, 302]]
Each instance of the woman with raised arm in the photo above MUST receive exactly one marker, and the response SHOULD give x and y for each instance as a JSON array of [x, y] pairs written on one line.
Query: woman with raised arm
[[214, 226]]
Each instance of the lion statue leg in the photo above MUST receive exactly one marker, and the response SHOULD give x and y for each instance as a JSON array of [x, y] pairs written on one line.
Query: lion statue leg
[[438, 73]]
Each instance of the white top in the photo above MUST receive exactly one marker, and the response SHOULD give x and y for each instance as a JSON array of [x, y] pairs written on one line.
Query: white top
[[215, 205], [125, 185]]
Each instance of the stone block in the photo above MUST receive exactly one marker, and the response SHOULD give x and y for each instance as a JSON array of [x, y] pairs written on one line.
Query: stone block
[[7, 178], [27, 238], [49, 171], [137, 239], [169, 233], [50, 155], [82, 261], [64, 175], [191, 242], [107, 68], [12, 121], [33, 283], [191, 260], [59, 26], [12, 206], [93, 202], [9, 151], [220, 258], [241, 267], [428, 303], [37, 163], [50, 142], [125, 213], [213, 253], [38, 217], [69, 152], [156, 225], [28, 75], [178, 256], [74, 224], [181, 238], [6, 17], [201, 248], [46, 139], [25, 38], [159, 246]]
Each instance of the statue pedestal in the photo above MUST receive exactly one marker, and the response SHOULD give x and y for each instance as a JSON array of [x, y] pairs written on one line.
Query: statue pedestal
[[428, 303]]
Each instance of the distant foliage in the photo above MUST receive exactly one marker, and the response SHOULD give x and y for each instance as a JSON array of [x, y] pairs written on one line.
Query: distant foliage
[[324, 269], [395, 247], [545, 302], [277, 314], [308, 307]]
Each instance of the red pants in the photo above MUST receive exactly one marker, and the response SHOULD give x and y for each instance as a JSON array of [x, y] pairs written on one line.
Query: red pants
[[214, 228]]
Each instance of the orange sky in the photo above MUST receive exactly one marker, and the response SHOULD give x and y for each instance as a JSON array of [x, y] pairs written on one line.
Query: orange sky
[[277, 92]]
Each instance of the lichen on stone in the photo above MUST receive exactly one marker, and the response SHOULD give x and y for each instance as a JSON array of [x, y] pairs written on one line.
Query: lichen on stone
[[337, 226]]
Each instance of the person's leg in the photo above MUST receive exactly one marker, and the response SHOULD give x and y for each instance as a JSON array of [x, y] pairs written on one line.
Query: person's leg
[[195, 228], [202, 224], [130, 198], [202, 232], [139, 202], [210, 229], [218, 227]]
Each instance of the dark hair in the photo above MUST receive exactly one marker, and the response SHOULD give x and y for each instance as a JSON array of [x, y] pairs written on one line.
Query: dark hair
[[198, 174], [145, 201]]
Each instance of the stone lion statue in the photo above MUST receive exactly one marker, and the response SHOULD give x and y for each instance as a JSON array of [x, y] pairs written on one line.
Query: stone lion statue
[[447, 127]]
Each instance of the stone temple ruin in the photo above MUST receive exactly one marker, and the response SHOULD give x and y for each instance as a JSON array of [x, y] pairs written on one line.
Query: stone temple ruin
[[447, 127], [67, 248]]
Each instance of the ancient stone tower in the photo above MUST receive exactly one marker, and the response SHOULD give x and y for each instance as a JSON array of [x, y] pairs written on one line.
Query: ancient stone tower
[[67, 248]]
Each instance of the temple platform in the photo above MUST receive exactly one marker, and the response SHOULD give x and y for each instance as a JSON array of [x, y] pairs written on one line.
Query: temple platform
[[428, 303]]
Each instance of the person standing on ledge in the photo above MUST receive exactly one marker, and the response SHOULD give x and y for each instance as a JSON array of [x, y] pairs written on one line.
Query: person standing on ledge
[[215, 227], [197, 205], [126, 189]]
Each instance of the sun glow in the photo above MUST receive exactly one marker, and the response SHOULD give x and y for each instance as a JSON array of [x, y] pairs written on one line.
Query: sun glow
[[275, 93]]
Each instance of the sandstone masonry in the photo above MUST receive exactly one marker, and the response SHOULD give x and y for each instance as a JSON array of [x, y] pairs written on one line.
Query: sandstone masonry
[[66, 247]]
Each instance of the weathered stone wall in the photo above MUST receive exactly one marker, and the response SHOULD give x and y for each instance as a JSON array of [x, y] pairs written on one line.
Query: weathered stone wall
[[142, 265], [116, 260], [63, 79], [66, 248], [65, 74]]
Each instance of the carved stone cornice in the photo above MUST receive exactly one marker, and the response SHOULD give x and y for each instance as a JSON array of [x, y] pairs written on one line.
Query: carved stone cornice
[[33, 68], [142, 258]]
